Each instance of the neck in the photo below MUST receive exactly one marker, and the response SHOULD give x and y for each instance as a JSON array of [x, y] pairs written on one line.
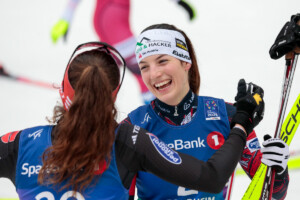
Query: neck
[[179, 114]]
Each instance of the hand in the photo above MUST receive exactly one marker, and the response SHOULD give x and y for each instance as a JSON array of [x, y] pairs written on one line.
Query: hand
[[275, 153], [59, 29], [250, 106], [189, 8], [287, 39]]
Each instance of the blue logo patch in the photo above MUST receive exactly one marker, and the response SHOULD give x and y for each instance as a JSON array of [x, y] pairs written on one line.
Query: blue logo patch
[[253, 145], [163, 149], [211, 109]]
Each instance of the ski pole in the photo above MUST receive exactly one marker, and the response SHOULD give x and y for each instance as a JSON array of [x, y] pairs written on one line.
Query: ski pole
[[4, 73], [261, 185], [291, 62]]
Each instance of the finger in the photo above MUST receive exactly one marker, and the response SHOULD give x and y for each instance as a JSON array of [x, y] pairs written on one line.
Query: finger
[[242, 88], [274, 142], [270, 163], [267, 136], [272, 150], [274, 157]]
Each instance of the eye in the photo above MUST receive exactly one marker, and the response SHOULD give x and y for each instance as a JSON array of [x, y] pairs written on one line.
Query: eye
[[143, 67], [162, 61]]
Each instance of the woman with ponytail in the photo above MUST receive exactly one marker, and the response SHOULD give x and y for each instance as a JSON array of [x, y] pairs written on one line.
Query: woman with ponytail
[[85, 154]]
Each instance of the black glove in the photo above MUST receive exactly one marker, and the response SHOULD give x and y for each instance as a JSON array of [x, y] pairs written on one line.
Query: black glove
[[249, 106], [275, 153], [287, 39], [188, 7]]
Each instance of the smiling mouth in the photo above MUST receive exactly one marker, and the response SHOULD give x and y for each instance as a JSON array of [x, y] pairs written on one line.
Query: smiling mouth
[[162, 85]]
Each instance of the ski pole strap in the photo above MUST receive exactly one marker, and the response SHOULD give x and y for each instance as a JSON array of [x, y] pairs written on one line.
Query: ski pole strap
[[287, 39]]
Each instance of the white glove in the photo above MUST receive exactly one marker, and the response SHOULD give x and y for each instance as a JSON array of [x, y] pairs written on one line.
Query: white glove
[[275, 153]]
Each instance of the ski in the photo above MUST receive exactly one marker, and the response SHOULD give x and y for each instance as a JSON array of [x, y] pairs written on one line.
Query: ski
[[5, 74], [261, 186], [289, 128]]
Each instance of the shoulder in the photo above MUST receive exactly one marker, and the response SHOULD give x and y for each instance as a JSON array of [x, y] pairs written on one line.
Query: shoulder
[[36, 130], [139, 112], [10, 137], [37, 136], [210, 97], [231, 109], [212, 100]]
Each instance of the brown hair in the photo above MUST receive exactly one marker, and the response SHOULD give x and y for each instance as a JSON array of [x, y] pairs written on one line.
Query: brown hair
[[84, 135], [194, 76]]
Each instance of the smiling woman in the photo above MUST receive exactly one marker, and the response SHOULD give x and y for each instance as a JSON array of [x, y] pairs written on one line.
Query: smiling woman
[[196, 125]]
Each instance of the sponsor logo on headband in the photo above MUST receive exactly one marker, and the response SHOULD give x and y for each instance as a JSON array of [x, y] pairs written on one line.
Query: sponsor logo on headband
[[146, 42], [180, 44], [141, 45], [181, 55], [159, 43], [146, 52]]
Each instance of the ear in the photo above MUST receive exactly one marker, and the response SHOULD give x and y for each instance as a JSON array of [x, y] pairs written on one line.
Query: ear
[[187, 66]]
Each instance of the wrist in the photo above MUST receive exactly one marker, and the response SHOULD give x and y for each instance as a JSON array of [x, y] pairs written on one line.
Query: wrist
[[244, 119], [241, 128]]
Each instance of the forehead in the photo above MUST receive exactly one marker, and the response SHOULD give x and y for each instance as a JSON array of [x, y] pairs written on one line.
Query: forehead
[[156, 57]]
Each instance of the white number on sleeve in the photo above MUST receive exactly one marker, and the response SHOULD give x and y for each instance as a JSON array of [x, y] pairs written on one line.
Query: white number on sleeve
[[183, 192]]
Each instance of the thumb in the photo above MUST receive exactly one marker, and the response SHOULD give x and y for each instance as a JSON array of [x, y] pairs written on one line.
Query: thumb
[[267, 136]]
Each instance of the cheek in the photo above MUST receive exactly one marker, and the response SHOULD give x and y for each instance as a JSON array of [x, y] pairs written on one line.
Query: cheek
[[182, 75], [145, 77]]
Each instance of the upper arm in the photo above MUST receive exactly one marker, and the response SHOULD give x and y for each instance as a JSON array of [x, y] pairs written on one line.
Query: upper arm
[[126, 121], [9, 147]]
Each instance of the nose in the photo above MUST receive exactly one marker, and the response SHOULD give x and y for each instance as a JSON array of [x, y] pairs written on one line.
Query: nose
[[155, 72]]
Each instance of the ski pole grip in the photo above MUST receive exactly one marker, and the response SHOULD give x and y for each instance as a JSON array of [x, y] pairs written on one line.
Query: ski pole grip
[[297, 48], [290, 54]]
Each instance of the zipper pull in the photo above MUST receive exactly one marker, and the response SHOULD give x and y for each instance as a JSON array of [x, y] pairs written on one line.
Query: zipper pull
[[175, 113]]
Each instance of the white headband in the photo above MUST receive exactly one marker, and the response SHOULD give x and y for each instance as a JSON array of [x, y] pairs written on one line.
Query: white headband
[[162, 41]]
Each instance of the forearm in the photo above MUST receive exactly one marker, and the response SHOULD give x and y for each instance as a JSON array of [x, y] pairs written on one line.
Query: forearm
[[179, 168], [281, 184]]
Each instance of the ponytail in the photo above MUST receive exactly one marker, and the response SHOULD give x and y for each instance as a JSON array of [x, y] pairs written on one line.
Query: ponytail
[[84, 136]]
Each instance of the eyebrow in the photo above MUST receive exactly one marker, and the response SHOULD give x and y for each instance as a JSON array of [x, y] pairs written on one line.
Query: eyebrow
[[155, 58]]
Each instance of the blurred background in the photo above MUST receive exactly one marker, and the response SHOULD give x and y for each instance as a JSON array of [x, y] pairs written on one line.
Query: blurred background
[[232, 40]]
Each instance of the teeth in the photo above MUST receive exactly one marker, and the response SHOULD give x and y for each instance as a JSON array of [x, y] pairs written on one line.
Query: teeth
[[161, 84]]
